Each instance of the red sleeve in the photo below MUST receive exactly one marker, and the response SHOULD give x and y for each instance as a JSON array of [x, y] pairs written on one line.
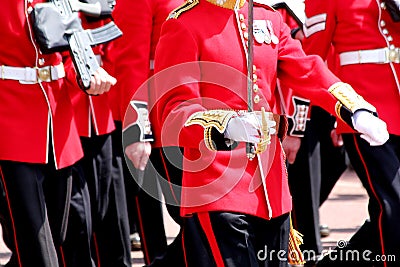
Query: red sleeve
[[174, 104], [130, 54], [319, 27], [307, 76]]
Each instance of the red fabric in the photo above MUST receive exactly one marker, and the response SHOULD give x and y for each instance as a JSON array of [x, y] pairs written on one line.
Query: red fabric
[[205, 222], [228, 180], [90, 111], [129, 56], [24, 109], [285, 94], [356, 25]]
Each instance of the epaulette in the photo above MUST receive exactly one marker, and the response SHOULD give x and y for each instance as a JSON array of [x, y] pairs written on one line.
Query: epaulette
[[189, 4]]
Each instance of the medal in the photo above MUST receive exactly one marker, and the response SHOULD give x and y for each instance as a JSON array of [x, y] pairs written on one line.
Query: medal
[[260, 31], [274, 38]]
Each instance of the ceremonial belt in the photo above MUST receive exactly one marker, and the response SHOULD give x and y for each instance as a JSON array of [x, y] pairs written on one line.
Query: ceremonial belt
[[32, 75], [378, 56]]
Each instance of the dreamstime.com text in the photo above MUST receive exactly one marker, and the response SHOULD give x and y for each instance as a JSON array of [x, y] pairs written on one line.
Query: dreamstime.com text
[[334, 254]]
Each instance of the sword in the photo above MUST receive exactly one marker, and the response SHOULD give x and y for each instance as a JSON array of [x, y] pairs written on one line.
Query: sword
[[250, 149]]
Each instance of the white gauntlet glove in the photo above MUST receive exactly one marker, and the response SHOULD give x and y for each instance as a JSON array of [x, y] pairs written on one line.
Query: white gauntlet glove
[[248, 127], [243, 128], [372, 129]]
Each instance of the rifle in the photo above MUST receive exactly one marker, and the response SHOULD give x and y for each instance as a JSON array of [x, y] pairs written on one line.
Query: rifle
[[58, 28]]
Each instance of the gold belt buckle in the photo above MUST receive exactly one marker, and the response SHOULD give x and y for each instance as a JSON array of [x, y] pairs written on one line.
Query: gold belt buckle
[[44, 74], [394, 55]]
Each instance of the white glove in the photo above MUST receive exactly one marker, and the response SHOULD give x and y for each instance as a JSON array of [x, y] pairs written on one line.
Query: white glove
[[247, 127], [372, 129]]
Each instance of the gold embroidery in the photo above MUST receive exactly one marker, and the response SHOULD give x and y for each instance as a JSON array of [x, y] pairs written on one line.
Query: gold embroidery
[[346, 95], [184, 7], [211, 118]]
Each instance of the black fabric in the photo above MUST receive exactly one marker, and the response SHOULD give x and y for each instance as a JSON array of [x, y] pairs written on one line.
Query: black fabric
[[220, 141], [144, 211], [312, 176], [167, 162], [38, 196], [393, 7], [378, 168], [243, 240], [99, 227]]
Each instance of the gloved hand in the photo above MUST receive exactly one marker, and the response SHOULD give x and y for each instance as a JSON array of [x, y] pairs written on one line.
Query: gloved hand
[[247, 127], [372, 129]]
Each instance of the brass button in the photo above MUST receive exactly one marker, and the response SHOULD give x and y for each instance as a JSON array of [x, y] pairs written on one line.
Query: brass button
[[256, 99], [254, 68], [255, 88], [246, 35], [394, 55], [385, 31], [255, 77], [243, 26], [383, 23], [44, 74], [390, 38], [241, 17], [41, 61], [383, 5]]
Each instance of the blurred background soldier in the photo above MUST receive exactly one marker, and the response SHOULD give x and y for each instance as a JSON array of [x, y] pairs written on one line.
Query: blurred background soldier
[[39, 141], [98, 232], [132, 62], [238, 197], [316, 158], [367, 40]]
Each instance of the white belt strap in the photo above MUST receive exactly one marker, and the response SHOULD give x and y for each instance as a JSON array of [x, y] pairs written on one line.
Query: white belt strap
[[32, 75], [378, 56]]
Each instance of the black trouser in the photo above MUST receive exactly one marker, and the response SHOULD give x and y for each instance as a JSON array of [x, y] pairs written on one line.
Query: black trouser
[[232, 239], [312, 176], [167, 163], [143, 199], [99, 229], [36, 207], [378, 168]]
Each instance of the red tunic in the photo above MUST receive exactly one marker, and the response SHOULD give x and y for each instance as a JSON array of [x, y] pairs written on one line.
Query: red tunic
[[227, 180], [30, 113], [352, 25], [90, 111], [132, 56]]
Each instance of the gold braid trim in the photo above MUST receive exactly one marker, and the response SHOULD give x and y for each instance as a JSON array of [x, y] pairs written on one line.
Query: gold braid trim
[[189, 4], [229, 4], [346, 95], [212, 118], [295, 255], [208, 140]]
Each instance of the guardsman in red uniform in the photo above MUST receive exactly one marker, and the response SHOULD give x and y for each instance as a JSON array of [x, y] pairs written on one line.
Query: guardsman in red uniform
[[39, 140], [367, 41], [132, 58], [98, 226], [237, 192], [315, 162]]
